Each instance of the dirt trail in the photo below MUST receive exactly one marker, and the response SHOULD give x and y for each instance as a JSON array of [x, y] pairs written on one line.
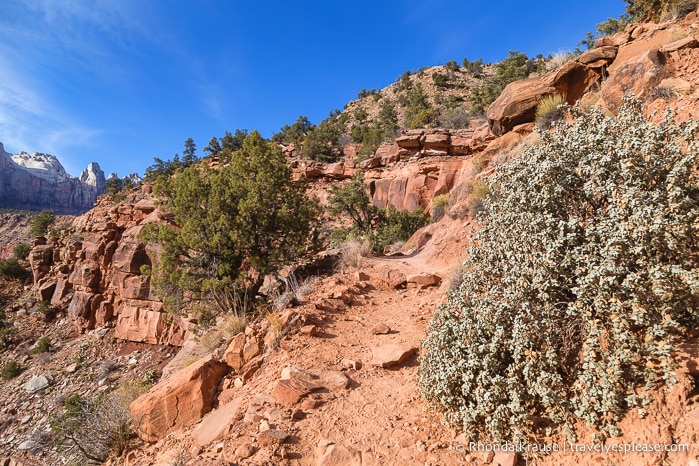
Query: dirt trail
[[380, 418]]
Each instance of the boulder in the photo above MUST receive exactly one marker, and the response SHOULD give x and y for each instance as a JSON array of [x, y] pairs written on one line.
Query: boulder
[[86, 275], [380, 329], [411, 139], [437, 141], [47, 290], [391, 277], [518, 101], [424, 280], [639, 75], [63, 288], [177, 402], [217, 422], [38, 383], [138, 321], [271, 438], [129, 257], [288, 392]]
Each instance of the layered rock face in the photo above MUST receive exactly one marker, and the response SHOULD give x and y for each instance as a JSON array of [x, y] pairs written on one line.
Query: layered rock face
[[409, 172], [98, 271], [39, 181]]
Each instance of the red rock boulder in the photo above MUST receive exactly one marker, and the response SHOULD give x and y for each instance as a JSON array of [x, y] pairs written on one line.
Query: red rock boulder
[[177, 402]]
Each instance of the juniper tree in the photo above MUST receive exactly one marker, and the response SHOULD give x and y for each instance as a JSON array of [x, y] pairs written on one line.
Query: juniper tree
[[232, 226]]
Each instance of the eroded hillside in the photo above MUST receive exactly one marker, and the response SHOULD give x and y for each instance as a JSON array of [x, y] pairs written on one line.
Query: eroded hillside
[[327, 375]]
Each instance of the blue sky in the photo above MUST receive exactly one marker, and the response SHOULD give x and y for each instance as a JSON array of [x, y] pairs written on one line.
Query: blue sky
[[121, 82]]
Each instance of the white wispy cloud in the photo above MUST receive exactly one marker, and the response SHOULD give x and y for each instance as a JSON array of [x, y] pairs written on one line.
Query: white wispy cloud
[[36, 38]]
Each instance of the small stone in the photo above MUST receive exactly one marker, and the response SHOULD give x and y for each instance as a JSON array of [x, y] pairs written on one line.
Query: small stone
[[36, 383], [28, 445], [238, 382], [264, 426], [392, 354], [244, 451], [310, 330], [351, 364], [26, 419], [380, 329], [335, 380], [251, 349], [336, 455], [71, 368], [323, 442], [271, 437], [132, 362], [298, 414], [311, 403], [290, 372]]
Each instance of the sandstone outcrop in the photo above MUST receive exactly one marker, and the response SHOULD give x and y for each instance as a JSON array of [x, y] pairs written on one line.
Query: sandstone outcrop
[[99, 272], [517, 103], [39, 181]]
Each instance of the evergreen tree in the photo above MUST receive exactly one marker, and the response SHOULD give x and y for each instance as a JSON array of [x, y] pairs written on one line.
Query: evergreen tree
[[189, 155], [233, 225]]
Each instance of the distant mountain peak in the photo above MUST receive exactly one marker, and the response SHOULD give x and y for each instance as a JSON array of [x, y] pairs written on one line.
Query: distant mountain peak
[[38, 181]]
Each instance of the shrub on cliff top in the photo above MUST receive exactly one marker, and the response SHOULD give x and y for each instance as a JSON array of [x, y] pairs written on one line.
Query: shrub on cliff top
[[585, 274]]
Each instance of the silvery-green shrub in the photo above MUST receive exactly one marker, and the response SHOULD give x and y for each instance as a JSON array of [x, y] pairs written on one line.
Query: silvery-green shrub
[[584, 274]]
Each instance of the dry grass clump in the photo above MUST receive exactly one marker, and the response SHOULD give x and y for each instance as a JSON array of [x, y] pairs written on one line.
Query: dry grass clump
[[440, 205], [294, 292], [678, 9], [467, 199], [226, 326], [352, 254], [549, 110], [558, 59]]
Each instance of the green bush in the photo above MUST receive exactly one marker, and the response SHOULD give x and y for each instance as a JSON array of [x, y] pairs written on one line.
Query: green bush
[[514, 67], [10, 370], [474, 67], [40, 223], [397, 226], [439, 79], [584, 277], [21, 251], [658, 9], [381, 227], [11, 268], [42, 346], [418, 111], [48, 311]]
